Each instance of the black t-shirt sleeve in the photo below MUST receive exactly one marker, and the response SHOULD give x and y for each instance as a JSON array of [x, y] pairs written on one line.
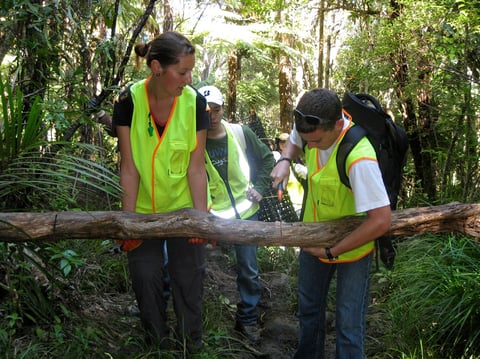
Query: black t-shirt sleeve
[[123, 109], [203, 119]]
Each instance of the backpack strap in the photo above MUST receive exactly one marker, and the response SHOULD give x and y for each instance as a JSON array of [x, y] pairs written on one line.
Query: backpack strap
[[237, 131], [349, 141]]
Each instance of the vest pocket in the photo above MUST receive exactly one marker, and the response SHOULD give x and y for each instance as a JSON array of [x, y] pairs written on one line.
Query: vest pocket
[[179, 159], [327, 193]]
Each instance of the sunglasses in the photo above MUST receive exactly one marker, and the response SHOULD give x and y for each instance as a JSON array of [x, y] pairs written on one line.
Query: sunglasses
[[310, 119]]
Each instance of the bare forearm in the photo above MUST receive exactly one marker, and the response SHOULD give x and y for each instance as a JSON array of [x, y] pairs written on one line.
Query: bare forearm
[[197, 175], [375, 226], [129, 183], [198, 188], [291, 151], [281, 171], [129, 177], [368, 231]]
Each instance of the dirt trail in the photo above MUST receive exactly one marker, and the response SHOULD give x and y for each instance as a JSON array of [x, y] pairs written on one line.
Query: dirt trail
[[279, 326], [278, 323]]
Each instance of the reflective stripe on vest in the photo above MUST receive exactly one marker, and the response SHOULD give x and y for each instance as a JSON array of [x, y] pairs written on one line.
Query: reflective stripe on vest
[[229, 213], [330, 199], [238, 173], [162, 162]]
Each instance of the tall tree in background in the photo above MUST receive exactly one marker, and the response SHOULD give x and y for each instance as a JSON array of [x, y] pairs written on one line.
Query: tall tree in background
[[321, 42], [63, 53], [32, 34], [419, 58], [280, 19], [285, 76], [418, 123], [439, 115], [422, 61], [167, 16], [234, 67], [61, 56]]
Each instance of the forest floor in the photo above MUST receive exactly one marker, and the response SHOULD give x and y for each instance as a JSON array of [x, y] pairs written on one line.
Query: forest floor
[[278, 322]]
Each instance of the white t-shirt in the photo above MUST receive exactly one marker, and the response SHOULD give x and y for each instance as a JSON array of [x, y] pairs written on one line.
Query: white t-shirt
[[365, 176]]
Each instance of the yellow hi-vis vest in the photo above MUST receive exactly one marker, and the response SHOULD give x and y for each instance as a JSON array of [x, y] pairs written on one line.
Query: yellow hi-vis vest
[[295, 191], [238, 173], [162, 161], [328, 198]]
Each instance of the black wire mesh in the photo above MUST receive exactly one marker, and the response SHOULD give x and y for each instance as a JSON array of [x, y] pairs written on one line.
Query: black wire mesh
[[256, 126], [272, 210]]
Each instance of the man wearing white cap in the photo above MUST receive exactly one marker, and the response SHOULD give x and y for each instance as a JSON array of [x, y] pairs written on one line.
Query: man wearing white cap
[[238, 168]]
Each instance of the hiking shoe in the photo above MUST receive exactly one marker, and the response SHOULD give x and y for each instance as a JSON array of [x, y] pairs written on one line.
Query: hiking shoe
[[250, 332]]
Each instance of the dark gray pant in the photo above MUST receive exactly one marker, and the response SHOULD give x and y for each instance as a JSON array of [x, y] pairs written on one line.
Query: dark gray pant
[[186, 266]]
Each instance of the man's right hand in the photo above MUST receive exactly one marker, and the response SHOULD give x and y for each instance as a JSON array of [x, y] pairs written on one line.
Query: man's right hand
[[280, 174]]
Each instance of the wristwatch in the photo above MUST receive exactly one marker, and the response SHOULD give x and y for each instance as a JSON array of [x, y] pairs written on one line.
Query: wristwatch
[[330, 255], [284, 159]]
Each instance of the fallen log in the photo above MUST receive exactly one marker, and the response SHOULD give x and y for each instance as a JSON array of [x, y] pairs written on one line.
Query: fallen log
[[19, 227]]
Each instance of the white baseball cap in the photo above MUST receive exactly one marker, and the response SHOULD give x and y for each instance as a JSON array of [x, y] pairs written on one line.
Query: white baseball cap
[[212, 94]]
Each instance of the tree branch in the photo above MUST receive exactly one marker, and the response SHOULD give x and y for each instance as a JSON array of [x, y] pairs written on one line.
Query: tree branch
[[19, 227]]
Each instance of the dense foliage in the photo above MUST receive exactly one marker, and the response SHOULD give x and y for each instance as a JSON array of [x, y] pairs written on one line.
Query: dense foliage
[[434, 298], [64, 61]]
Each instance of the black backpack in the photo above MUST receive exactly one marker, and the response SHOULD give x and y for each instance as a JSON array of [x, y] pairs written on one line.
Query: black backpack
[[390, 143]]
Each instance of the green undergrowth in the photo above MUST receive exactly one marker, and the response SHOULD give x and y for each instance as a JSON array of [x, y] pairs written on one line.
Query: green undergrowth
[[71, 299], [433, 299]]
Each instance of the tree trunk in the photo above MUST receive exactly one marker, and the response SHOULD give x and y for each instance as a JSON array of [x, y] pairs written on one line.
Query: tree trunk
[[321, 42], [18, 227], [285, 79], [168, 16], [285, 92], [233, 77], [418, 127]]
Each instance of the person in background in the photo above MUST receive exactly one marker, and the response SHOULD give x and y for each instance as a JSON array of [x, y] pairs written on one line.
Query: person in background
[[280, 142], [320, 126], [238, 167], [161, 123], [299, 168]]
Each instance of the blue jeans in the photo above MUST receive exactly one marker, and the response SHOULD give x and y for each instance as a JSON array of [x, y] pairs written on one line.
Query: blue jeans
[[166, 276], [248, 282], [351, 301]]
